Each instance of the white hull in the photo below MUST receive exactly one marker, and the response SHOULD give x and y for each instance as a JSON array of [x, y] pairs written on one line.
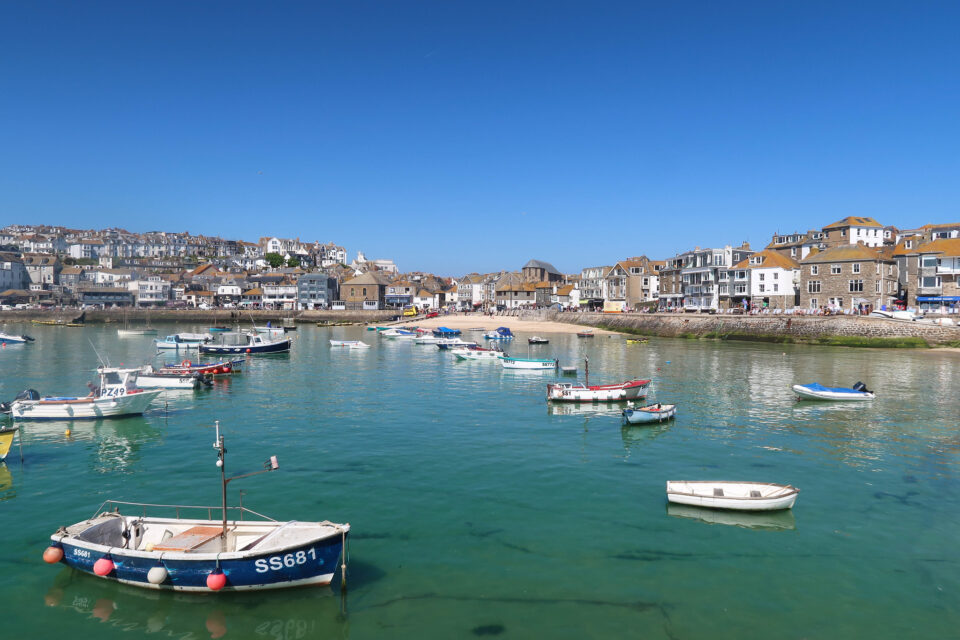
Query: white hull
[[647, 416], [136, 332], [529, 365], [4, 337], [103, 407], [842, 396], [739, 496], [474, 355], [147, 381], [566, 392]]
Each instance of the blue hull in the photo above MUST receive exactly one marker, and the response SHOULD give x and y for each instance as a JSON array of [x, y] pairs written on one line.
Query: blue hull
[[314, 563]]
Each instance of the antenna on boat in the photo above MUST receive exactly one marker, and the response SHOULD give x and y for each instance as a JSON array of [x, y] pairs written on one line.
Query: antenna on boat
[[586, 371], [98, 354], [272, 464]]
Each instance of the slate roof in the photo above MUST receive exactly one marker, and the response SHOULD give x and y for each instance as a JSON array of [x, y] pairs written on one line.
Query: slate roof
[[540, 264]]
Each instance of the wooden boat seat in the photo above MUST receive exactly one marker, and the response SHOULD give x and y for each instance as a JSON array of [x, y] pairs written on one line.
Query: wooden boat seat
[[190, 539]]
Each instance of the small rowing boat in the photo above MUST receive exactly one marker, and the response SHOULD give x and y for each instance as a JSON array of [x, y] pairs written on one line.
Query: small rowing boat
[[739, 496], [350, 344], [249, 552], [224, 367], [6, 440], [650, 413], [570, 392], [585, 334], [537, 340], [634, 341], [150, 378], [816, 391], [179, 341]]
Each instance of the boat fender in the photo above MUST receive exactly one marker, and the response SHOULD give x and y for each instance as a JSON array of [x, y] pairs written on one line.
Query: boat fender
[[216, 580], [185, 363], [53, 554], [103, 566], [157, 575], [248, 350]]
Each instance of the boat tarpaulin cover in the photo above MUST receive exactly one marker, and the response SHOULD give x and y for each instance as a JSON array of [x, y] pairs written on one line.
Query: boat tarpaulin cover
[[816, 386]]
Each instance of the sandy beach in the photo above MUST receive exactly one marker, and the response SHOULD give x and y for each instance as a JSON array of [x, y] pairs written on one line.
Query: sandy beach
[[489, 323]]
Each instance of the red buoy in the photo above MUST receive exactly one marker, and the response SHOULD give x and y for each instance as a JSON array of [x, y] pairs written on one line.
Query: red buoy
[[216, 580], [226, 369], [53, 555], [103, 566], [248, 350]]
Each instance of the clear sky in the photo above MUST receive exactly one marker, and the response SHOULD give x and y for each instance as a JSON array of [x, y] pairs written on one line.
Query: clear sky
[[460, 136]]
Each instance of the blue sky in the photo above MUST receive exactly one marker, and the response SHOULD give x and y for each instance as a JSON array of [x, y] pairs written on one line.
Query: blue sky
[[460, 136]]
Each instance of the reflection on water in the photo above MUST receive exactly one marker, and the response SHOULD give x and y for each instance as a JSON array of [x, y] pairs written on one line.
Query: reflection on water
[[590, 409], [638, 435], [7, 491], [118, 440], [774, 520], [285, 615]]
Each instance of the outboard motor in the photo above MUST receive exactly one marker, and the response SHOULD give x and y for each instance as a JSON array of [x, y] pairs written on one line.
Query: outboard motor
[[861, 387], [26, 394]]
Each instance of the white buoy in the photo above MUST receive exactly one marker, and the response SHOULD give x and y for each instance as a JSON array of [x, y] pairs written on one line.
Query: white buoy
[[157, 575]]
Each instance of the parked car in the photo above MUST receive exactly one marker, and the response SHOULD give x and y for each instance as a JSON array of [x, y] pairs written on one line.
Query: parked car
[[433, 314]]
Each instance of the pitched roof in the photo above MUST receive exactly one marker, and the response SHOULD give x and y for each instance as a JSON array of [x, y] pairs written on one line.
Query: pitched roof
[[946, 246], [854, 221], [565, 290], [253, 292], [370, 277], [540, 264], [844, 252], [771, 259]]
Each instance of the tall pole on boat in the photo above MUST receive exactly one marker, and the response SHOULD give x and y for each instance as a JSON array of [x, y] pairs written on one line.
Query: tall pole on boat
[[586, 371], [221, 454]]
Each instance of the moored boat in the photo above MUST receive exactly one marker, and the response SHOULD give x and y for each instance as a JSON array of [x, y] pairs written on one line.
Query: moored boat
[[502, 333], [482, 355], [13, 339], [230, 343], [532, 364], [570, 392], [174, 553], [351, 344], [651, 413], [150, 378], [179, 341], [218, 329], [585, 334], [739, 496], [816, 391], [637, 341], [445, 344], [445, 332], [223, 367], [6, 440], [117, 395], [537, 340]]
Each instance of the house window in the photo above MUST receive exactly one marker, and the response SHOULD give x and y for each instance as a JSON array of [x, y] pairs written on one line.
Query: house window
[[908, 244], [834, 269], [776, 276], [929, 261], [813, 303], [930, 281], [761, 277], [855, 285], [761, 288], [878, 286], [793, 252], [856, 267], [776, 288], [813, 286], [352, 291], [878, 268], [364, 292], [814, 269]]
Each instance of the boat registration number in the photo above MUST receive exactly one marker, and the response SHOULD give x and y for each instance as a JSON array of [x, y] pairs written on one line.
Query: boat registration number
[[115, 392], [275, 563], [81, 553]]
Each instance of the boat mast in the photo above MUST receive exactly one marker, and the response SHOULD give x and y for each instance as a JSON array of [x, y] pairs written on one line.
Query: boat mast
[[221, 454], [586, 371]]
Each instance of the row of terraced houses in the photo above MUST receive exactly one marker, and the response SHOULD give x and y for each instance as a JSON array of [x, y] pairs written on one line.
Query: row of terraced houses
[[855, 264]]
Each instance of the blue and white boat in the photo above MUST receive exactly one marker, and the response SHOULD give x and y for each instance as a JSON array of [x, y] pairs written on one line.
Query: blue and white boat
[[533, 364], [445, 332], [502, 333], [816, 391], [8, 338], [232, 343], [182, 554], [180, 341]]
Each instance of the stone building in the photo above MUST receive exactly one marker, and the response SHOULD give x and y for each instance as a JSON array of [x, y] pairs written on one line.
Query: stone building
[[844, 277], [540, 271]]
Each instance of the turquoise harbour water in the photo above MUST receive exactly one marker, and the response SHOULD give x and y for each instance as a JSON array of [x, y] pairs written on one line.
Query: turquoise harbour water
[[479, 511]]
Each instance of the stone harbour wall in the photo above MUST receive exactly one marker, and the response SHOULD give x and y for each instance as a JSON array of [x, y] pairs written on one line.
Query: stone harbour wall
[[224, 317], [839, 330]]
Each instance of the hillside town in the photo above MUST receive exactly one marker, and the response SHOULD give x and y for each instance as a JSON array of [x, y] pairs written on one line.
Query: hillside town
[[854, 265]]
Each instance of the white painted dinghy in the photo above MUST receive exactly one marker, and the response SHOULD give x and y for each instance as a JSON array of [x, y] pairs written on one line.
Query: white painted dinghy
[[816, 391], [650, 413], [739, 496]]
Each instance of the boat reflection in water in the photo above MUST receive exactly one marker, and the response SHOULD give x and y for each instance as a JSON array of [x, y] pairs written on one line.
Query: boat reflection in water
[[301, 613], [7, 491], [770, 520], [585, 409], [635, 434], [119, 440]]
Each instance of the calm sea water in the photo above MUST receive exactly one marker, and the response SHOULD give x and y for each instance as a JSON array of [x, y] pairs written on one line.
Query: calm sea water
[[479, 511]]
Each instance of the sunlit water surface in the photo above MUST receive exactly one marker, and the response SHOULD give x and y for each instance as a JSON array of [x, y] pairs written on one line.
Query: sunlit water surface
[[479, 511]]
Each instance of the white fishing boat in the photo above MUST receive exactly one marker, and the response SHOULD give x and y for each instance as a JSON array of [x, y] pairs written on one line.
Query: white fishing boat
[[480, 355], [738, 496], [650, 413], [117, 395], [501, 333], [150, 378], [180, 341], [233, 553], [233, 343], [570, 392], [427, 339], [529, 364], [816, 391], [446, 344], [350, 344], [7, 338]]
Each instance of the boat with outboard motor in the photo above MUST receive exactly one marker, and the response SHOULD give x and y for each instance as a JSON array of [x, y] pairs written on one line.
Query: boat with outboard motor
[[7, 338], [116, 395], [738, 496], [816, 391], [233, 553], [240, 342], [651, 413], [502, 333], [478, 354]]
